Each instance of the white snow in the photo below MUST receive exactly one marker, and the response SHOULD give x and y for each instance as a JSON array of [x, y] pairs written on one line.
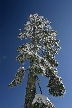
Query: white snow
[[43, 98]]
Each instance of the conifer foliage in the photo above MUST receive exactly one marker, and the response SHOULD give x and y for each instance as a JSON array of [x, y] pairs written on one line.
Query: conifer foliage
[[41, 52]]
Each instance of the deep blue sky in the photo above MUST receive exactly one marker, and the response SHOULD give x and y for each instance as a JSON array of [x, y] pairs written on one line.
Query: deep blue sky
[[13, 14]]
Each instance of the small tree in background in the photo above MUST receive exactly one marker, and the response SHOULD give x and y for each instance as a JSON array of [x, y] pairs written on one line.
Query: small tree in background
[[41, 53]]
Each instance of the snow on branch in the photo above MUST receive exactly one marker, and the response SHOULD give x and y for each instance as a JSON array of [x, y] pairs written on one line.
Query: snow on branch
[[18, 77], [40, 100]]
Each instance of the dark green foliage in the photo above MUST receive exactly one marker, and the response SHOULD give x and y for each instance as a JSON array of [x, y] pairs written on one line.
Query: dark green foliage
[[56, 87]]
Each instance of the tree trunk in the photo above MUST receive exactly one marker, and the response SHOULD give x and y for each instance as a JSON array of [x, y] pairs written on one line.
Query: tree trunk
[[30, 89]]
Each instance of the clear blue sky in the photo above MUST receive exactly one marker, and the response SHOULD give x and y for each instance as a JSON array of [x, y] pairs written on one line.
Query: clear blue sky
[[13, 14]]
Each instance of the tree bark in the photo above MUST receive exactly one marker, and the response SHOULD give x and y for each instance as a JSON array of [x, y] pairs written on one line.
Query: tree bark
[[30, 89]]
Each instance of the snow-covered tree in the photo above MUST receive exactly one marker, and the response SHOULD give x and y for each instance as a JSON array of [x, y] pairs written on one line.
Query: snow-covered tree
[[41, 53]]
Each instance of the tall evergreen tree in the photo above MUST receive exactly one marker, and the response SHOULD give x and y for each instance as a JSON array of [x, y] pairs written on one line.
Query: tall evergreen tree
[[41, 53]]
